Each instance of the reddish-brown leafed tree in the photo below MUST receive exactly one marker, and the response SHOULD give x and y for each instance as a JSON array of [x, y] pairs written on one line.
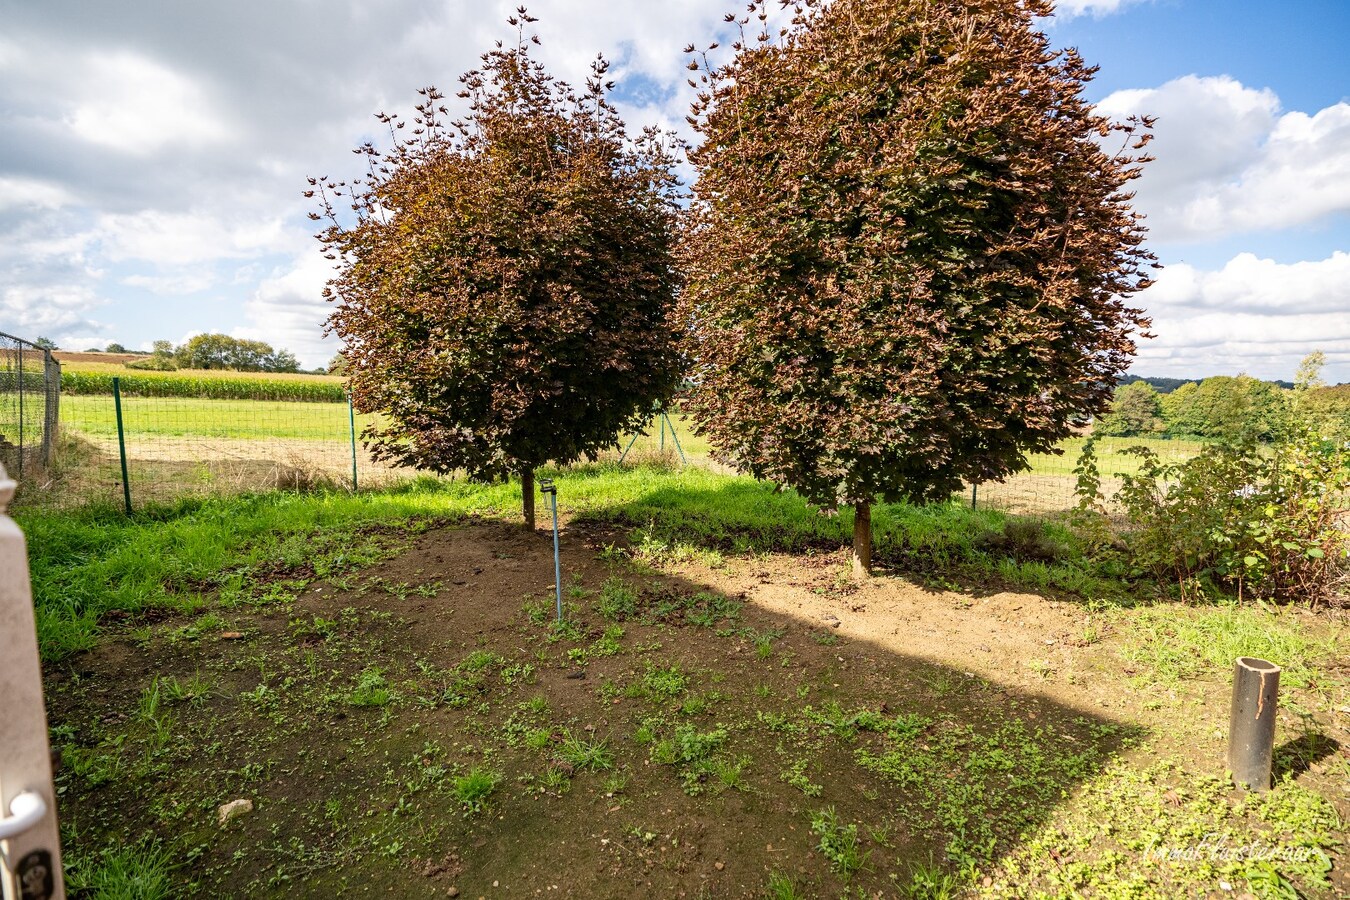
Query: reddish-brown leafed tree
[[505, 281], [908, 249]]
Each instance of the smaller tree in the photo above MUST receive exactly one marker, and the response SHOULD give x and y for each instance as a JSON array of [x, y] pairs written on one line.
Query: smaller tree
[[1136, 410], [46, 343], [115, 348], [504, 291]]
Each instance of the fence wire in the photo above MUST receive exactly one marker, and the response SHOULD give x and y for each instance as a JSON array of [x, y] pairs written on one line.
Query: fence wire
[[242, 439], [30, 393], [177, 447]]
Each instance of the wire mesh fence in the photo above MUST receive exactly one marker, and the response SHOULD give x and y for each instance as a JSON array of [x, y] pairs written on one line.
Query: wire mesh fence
[[132, 447], [30, 393], [143, 438]]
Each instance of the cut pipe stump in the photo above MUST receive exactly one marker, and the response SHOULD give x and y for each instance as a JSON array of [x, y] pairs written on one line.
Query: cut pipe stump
[[1251, 724]]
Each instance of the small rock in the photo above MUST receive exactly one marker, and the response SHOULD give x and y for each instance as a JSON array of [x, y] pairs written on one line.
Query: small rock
[[719, 865], [234, 809], [231, 635], [452, 892]]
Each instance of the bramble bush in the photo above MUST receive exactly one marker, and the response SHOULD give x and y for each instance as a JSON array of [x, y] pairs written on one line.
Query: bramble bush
[[1269, 522]]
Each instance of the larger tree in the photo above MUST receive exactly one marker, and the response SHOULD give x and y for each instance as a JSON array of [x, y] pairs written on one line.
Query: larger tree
[[911, 249], [504, 291]]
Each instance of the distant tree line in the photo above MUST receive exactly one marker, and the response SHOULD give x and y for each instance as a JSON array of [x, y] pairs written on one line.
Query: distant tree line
[[217, 351], [1227, 407]]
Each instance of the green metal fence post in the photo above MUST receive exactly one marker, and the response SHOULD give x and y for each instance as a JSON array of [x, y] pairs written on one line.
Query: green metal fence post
[[973, 489], [351, 420], [121, 441]]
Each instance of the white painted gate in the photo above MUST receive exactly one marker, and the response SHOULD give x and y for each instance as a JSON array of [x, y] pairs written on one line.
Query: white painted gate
[[30, 846]]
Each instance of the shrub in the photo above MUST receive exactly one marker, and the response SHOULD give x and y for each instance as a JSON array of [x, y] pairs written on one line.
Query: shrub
[[1266, 522]]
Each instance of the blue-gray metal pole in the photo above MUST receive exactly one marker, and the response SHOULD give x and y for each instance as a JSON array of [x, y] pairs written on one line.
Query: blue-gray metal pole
[[674, 437], [624, 454], [557, 559], [351, 420], [121, 441]]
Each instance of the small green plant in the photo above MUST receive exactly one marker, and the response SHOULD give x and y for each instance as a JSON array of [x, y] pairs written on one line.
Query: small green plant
[[142, 872], [473, 788], [927, 881], [371, 689], [796, 776], [617, 600], [693, 752], [838, 842], [585, 753], [555, 780], [185, 690], [783, 887], [764, 641], [662, 684], [608, 644]]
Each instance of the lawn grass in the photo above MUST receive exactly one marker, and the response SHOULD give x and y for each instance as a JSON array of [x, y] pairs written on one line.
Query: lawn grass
[[93, 560]]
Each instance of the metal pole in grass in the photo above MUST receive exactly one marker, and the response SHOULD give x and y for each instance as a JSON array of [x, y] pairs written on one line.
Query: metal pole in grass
[[547, 487], [973, 501], [351, 420], [121, 441]]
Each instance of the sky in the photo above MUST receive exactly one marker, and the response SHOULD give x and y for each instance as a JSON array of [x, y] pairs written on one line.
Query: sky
[[153, 155]]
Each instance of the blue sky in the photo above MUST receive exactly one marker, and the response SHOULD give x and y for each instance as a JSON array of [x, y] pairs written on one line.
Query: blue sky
[[155, 153]]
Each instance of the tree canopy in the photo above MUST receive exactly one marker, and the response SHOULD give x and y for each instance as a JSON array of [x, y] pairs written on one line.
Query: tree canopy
[[910, 249], [220, 351], [505, 287], [1229, 408], [1136, 410]]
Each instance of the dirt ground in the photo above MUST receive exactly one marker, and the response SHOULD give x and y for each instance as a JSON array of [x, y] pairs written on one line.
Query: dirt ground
[[354, 798]]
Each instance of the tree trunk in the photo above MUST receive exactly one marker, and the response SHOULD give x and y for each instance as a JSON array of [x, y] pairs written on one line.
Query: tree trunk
[[527, 497], [862, 539]]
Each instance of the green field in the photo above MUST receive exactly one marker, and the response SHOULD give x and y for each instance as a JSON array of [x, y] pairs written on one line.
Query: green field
[[165, 417]]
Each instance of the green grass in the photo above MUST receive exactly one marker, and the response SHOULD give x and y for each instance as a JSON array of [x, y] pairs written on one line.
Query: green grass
[[1112, 459], [93, 560], [124, 873], [1169, 644], [473, 788]]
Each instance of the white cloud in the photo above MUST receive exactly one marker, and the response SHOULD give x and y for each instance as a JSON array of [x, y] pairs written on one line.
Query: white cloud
[[134, 105], [178, 239], [175, 284], [1070, 8], [1254, 315], [1229, 161], [288, 311], [32, 192]]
